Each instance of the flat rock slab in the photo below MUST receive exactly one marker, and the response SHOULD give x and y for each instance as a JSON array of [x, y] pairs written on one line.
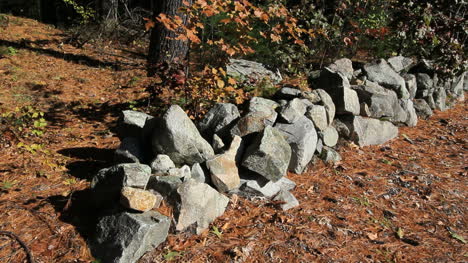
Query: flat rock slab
[[124, 237], [245, 69], [131, 123], [367, 131], [254, 186], [200, 205], [176, 136], [269, 155]]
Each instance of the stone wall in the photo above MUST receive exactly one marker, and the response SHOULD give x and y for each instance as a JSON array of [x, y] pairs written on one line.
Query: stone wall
[[195, 168]]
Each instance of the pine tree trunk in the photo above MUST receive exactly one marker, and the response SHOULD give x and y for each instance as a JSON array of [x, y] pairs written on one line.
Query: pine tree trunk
[[162, 48]]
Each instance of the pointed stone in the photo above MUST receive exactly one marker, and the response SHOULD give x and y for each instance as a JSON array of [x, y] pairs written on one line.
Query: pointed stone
[[176, 136], [223, 168]]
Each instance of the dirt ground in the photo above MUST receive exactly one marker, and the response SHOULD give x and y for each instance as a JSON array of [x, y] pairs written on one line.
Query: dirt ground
[[399, 202]]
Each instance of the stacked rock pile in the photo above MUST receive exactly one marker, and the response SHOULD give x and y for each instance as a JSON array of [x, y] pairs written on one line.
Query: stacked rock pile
[[195, 168]]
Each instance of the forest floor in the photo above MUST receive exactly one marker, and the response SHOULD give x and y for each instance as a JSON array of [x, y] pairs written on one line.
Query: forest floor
[[399, 202]]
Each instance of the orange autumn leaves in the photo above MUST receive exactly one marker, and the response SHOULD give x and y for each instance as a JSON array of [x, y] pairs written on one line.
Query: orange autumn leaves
[[241, 15]]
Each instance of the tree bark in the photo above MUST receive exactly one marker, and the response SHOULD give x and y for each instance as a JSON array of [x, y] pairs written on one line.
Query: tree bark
[[162, 48]]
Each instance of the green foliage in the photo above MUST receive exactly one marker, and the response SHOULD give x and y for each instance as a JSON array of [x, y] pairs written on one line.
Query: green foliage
[[7, 51], [26, 121], [7, 184], [171, 255], [216, 232], [86, 14], [362, 200]]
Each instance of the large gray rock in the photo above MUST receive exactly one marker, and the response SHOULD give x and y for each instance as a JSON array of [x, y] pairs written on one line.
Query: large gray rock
[[367, 131], [288, 199], [287, 93], [124, 237], [411, 85], [269, 155], [223, 168], [344, 66], [302, 138], [381, 73], [318, 115], [412, 117], [176, 136], [329, 136], [400, 63], [257, 186], [244, 69], [200, 205], [425, 85], [106, 184], [161, 164], [131, 124], [129, 151], [337, 86], [293, 111], [219, 119], [423, 110]]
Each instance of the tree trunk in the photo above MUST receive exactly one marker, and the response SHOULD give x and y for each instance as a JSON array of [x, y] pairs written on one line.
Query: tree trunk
[[162, 48]]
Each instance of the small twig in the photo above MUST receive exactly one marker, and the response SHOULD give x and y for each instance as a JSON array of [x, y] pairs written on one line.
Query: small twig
[[25, 247]]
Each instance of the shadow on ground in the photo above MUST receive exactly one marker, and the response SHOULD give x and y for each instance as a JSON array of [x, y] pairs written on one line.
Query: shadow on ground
[[92, 160], [80, 208], [74, 58]]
